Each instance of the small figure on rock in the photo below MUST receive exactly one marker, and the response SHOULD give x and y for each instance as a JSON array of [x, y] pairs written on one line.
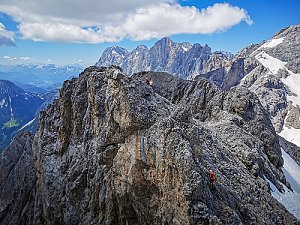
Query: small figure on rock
[[149, 81], [212, 179]]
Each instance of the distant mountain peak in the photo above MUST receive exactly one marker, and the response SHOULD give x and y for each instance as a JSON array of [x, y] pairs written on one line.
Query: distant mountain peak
[[165, 40], [141, 47], [181, 59]]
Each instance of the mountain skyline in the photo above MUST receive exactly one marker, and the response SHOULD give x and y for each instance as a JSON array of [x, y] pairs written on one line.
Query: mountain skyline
[[135, 138], [73, 37]]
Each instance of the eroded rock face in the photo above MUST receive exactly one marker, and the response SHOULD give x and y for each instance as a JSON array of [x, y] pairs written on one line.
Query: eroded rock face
[[271, 93], [114, 150], [265, 77], [289, 50], [17, 182]]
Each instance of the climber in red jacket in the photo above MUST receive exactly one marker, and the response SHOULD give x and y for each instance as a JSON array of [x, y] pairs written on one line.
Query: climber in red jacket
[[212, 179]]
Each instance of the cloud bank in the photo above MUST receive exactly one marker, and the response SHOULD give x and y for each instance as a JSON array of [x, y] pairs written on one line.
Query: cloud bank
[[6, 37], [95, 21]]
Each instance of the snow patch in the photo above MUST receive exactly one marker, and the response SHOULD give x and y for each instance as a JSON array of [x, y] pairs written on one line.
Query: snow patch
[[293, 81], [2, 103], [271, 63], [27, 124], [290, 200], [272, 43], [185, 49], [11, 111], [291, 135], [291, 171]]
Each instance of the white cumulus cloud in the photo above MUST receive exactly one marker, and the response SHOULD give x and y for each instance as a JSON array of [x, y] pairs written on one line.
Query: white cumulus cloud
[[169, 19], [6, 37], [96, 21]]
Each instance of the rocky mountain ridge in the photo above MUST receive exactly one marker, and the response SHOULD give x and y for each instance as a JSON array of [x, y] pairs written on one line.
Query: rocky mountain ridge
[[269, 69], [114, 150], [273, 75], [181, 59]]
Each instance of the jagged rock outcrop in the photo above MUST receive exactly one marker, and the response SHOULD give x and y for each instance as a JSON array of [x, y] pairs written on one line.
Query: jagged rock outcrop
[[225, 74], [17, 182], [180, 59], [269, 64], [271, 92], [114, 150]]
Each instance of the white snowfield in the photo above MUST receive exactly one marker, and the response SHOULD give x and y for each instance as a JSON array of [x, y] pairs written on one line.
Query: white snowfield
[[271, 63], [290, 199], [272, 43], [269, 44], [291, 170], [291, 135]]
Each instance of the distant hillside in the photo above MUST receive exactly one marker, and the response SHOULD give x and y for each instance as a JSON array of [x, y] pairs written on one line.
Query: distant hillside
[[17, 109], [42, 76]]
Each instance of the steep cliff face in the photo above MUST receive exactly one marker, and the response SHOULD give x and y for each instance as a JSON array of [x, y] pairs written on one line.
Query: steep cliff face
[[114, 150], [273, 73], [223, 71], [17, 182]]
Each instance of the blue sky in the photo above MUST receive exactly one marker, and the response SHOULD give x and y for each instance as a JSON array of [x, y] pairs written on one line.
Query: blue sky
[[68, 32]]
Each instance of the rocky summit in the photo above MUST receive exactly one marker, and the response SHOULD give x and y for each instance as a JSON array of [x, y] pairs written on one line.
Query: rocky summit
[[181, 59], [113, 149]]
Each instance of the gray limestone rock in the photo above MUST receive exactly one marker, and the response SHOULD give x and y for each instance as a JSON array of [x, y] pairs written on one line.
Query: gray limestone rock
[[268, 85], [288, 50], [271, 93], [17, 182], [293, 117], [181, 59], [115, 150]]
